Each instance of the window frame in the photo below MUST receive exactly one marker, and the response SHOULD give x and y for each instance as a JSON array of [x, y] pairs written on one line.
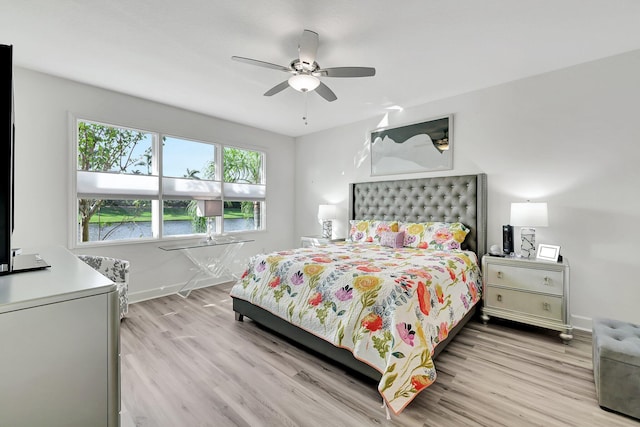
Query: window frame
[[157, 173]]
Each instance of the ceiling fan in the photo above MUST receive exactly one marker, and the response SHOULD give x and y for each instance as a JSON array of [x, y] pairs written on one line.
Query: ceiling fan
[[306, 71]]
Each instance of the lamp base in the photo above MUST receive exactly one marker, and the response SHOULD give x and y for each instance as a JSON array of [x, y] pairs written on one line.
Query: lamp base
[[327, 229], [528, 243]]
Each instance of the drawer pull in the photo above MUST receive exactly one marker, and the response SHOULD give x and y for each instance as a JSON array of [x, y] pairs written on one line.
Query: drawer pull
[[499, 274], [547, 280], [499, 298], [546, 306]]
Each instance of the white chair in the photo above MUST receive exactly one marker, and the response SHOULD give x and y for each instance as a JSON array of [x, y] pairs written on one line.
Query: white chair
[[116, 270]]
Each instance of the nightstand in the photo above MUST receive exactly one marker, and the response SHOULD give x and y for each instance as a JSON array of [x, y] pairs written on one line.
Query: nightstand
[[310, 241], [527, 291]]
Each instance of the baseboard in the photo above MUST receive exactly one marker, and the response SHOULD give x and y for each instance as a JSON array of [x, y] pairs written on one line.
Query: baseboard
[[173, 289], [582, 323]]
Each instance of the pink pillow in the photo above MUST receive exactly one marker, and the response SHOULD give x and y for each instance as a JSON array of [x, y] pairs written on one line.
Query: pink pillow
[[392, 239]]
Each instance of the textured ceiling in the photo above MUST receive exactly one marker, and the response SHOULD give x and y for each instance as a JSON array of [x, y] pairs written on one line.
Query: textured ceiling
[[178, 52]]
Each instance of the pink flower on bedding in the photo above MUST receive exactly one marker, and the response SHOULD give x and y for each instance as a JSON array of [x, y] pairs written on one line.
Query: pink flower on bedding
[[321, 259], [463, 297], [405, 332], [315, 299], [368, 268], [297, 278], [418, 272], [442, 235], [443, 331], [344, 294]]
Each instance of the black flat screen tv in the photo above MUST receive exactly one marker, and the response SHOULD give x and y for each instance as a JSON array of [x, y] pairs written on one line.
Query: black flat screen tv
[[7, 145], [9, 261]]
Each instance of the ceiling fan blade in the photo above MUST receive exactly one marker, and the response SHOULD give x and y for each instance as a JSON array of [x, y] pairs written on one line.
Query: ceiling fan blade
[[261, 63], [324, 91], [347, 72], [308, 48], [277, 88]]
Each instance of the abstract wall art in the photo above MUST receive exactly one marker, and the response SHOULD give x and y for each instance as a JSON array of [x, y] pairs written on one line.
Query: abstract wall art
[[418, 147]]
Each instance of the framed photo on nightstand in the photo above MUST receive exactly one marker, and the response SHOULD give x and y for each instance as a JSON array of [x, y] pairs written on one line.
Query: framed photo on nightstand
[[548, 252]]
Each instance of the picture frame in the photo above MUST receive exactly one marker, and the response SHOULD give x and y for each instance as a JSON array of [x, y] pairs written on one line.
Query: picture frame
[[548, 252], [423, 146]]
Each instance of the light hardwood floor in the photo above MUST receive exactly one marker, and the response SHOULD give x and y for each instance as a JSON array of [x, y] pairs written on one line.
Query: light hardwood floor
[[187, 362]]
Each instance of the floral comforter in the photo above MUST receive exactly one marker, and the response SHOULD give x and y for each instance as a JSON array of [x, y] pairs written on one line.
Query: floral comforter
[[389, 307]]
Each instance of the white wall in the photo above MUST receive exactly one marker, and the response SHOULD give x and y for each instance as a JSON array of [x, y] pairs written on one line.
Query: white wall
[[44, 168], [570, 137]]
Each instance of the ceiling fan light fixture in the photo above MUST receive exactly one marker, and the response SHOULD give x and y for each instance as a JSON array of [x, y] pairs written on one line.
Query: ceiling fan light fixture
[[304, 82]]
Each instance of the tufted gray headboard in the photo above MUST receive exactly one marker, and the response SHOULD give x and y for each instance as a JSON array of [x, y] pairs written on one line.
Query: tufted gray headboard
[[448, 199]]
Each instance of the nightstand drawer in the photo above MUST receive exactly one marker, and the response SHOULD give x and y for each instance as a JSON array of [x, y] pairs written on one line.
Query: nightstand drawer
[[540, 280], [546, 306]]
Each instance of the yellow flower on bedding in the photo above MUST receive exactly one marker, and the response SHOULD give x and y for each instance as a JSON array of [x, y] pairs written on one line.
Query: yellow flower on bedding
[[459, 235], [274, 259], [362, 226], [366, 283], [313, 269], [415, 229]]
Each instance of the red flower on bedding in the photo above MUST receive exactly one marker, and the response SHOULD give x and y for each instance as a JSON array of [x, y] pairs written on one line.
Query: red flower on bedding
[[452, 274], [474, 291], [439, 294], [423, 245], [419, 382], [321, 259], [464, 277], [372, 322], [245, 274], [315, 299], [369, 239], [368, 268], [275, 282], [424, 298]]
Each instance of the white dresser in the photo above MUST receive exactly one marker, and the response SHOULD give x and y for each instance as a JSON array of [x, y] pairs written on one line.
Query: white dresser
[[59, 350], [527, 291]]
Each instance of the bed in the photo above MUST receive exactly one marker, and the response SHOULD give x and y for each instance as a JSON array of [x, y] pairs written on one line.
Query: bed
[[388, 300]]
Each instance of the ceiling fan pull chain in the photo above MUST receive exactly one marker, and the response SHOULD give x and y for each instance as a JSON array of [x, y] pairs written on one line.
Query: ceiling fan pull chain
[[304, 118]]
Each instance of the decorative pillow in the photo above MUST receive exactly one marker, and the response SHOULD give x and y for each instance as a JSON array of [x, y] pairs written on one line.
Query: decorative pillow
[[392, 239], [370, 230], [434, 235]]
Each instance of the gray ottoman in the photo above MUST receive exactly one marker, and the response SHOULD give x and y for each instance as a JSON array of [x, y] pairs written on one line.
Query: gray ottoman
[[616, 365]]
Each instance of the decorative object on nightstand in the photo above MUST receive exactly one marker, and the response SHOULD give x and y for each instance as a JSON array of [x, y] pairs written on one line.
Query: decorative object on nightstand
[[527, 291], [326, 213], [209, 209], [529, 215]]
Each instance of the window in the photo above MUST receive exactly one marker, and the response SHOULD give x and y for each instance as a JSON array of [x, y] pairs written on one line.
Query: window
[[133, 184]]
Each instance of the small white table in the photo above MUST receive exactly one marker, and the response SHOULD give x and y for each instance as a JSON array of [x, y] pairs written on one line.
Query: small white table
[[209, 263]]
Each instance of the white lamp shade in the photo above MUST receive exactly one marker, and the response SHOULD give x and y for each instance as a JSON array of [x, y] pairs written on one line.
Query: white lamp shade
[[304, 82], [327, 212], [529, 214], [209, 208]]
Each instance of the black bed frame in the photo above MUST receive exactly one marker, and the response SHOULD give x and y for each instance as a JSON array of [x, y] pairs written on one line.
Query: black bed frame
[[448, 199]]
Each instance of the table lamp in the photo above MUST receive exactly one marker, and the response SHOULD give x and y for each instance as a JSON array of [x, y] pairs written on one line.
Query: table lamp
[[529, 215], [326, 213], [209, 209]]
